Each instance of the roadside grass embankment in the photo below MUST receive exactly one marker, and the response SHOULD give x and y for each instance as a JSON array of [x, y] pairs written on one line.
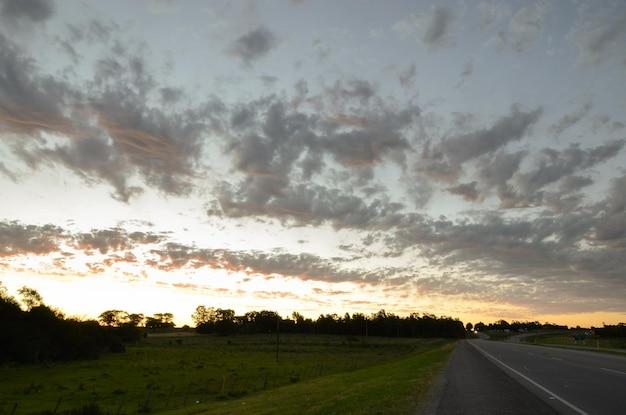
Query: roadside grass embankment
[[397, 387], [589, 343], [164, 373]]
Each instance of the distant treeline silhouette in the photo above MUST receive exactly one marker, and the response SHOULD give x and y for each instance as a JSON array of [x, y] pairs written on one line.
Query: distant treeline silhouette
[[518, 326], [40, 333], [618, 330], [381, 323]]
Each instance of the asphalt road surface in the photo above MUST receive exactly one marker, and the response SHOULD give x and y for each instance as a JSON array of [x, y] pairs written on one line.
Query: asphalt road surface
[[486, 377]]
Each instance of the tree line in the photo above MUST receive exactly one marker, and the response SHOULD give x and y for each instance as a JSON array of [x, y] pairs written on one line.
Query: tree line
[[221, 321], [617, 330], [381, 323], [121, 318], [515, 326], [39, 333]]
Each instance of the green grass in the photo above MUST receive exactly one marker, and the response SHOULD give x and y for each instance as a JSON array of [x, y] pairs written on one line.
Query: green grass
[[224, 370], [396, 387], [568, 340]]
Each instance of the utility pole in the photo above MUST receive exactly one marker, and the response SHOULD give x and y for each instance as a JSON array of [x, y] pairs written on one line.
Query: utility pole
[[277, 335]]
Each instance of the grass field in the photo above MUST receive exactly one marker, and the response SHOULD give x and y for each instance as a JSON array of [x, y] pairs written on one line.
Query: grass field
[[169, 373], [568, 340]]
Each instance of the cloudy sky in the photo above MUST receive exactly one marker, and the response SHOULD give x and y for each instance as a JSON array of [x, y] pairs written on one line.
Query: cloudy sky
[[458, 158]]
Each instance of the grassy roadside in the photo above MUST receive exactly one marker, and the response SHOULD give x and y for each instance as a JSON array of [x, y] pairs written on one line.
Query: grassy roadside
[[396, 387], [586, 344], [166, 373]]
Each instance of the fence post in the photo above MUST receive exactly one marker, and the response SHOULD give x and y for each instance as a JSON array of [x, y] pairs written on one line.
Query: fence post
[[186, 393], [169, 395], [145, 407], [56, 408], [119, 407]]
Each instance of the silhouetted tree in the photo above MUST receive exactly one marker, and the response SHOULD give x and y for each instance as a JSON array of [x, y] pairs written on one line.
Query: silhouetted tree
[[30, 297], [225, 321], [618, 330], [41, 333], [113, 318], [136, 320], [160, 321]]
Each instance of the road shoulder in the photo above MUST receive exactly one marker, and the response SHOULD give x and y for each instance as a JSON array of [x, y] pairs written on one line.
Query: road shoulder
[[475, 385]]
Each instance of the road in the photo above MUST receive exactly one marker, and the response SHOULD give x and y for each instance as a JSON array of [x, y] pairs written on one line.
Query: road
[[487, 377]]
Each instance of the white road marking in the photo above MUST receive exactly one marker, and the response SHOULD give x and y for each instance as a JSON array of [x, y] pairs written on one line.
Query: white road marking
[[613, 370], [543, 388]]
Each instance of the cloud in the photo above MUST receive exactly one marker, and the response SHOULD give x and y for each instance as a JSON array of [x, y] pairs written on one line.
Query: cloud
[[354, 89], [274, 143], [554, 165], [303, 266], [443, 161], [103, 240], [468, 70], [512, 127], [8, 173], [420, 191], [466, 190], [575, 256], [110, 132], [495, 172], [171, 96], [611, 228], [269, 137], [407, 76], [17, 239], [439, 26], [600, 36], [433, 28], [569, 120], [253, 45], [546, 255], [304, 204], [525, 26], [491, 12], [32, 10], [30, 103]]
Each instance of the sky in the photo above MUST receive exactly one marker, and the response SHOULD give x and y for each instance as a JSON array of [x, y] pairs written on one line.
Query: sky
[[459, 158]]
